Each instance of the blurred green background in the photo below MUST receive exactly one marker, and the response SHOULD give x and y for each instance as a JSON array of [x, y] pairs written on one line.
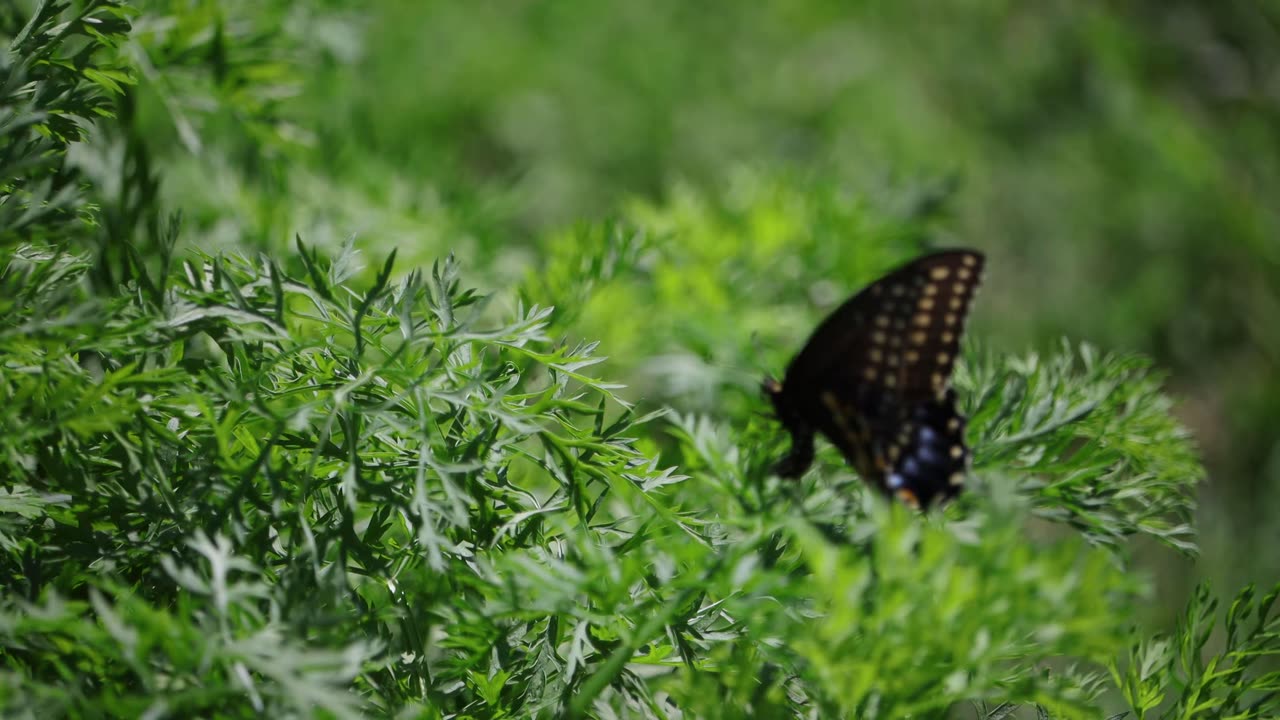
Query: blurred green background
[[1119, 163]]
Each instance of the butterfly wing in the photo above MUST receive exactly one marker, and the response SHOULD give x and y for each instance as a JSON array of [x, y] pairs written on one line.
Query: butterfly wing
[[874, 377], [925, 460]]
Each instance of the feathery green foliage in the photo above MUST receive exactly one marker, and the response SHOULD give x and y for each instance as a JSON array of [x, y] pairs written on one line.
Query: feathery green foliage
[[1239, 680], [1091, 436], [275, 456], [57, 77], [294, 485]]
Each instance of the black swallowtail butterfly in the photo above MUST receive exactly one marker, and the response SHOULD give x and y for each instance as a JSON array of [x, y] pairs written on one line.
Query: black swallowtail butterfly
[[875, 379]]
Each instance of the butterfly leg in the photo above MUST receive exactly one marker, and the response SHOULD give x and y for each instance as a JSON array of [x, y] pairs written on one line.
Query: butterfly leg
[[800, 456]]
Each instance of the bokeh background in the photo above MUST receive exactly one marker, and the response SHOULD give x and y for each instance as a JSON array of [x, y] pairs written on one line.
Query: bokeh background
[[1119, 163]]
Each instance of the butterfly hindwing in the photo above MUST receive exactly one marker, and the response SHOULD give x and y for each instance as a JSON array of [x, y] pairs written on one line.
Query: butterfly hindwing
[[927, 458], [874, 379]]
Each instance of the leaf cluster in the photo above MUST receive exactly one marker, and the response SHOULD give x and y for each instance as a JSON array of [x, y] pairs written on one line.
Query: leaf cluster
[[60, 72], [1091, 437]]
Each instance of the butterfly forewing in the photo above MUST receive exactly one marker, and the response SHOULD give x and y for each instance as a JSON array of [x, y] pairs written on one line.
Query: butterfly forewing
[[874, 378]]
